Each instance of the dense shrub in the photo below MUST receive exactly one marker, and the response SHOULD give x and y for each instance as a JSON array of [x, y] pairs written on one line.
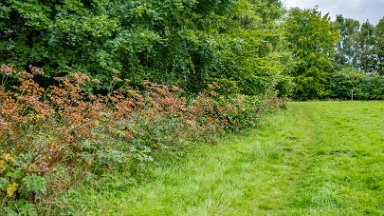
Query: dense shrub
[[351, 84], [52, 138]]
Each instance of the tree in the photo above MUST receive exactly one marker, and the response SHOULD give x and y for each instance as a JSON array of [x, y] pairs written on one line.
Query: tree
[[253, 51], [379, 32], [312, 38], [366, 56], [345, 54]]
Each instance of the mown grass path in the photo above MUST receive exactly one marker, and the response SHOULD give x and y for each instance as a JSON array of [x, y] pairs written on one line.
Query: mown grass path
[[318, 158]]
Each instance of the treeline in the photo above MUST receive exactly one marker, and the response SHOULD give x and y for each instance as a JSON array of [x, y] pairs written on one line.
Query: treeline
[[340, 60], [361, 45], [358, 61], [252, 47]]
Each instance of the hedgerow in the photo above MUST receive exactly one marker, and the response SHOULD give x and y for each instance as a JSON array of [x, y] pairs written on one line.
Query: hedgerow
[[55, 137], [352, 84]]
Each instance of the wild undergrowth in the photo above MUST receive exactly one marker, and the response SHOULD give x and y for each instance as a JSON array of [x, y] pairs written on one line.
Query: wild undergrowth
[[55, 137]]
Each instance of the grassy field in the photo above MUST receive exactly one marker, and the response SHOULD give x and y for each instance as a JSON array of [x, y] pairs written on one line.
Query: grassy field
[[318, 158]]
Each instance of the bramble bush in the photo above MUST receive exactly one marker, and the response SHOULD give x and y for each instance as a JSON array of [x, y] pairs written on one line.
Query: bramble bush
[[55, 137]]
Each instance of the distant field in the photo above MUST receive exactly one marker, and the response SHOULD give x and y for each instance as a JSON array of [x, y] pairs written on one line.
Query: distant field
[[317, 158]]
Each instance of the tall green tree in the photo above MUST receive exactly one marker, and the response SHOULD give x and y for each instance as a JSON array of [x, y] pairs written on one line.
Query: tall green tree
[[379, 32], [312, 38], [366, 49], [345, 54], [253, 52], [361, 46]]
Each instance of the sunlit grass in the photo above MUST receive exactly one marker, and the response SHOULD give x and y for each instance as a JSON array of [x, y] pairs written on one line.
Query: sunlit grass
[[318, 158]]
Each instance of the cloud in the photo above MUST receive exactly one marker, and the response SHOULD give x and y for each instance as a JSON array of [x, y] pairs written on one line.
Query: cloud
[[362, 10]]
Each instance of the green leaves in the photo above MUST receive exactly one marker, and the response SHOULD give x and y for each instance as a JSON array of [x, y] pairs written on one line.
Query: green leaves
[[34, 14], [34, 184], [312, 38], [361, 46], [187, 43], [97, 27]]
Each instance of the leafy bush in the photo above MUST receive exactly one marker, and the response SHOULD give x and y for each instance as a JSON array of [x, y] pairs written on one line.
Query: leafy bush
[[349, 83]]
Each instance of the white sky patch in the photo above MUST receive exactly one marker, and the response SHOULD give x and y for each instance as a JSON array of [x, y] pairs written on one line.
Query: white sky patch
[[362, 10]]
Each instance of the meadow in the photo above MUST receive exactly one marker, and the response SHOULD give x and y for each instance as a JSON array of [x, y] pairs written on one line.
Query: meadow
[[177, 107], [315, 158]]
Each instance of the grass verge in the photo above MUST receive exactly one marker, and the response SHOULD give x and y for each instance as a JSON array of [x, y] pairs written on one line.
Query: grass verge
[[318, 158]]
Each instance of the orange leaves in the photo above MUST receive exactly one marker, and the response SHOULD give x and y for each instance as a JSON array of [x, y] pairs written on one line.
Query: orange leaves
[[79, 78]]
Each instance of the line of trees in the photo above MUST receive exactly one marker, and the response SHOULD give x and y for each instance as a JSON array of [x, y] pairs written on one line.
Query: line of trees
[[342, 59], [358, 61], [361, 45], [247, 46]]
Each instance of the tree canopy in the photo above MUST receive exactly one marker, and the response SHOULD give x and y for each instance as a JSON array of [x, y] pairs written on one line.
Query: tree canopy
[[312, 38]]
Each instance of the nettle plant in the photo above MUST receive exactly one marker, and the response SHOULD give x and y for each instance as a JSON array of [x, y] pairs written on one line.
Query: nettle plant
[[52, 138]]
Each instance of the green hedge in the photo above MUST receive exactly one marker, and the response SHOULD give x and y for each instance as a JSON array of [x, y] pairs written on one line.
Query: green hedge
[[351, 84]]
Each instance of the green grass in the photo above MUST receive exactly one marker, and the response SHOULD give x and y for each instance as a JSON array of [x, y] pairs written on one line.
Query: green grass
[[318, 158]]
